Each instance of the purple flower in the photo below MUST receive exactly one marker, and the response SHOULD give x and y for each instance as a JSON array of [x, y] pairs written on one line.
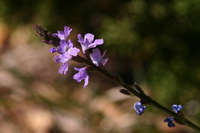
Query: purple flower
[[139, 108], [176, 108], [88, 41], [170, 120], [62, 35], [97, 58], [81, 75]]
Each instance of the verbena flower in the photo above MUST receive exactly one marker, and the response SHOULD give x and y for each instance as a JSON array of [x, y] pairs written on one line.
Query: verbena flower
[[139, 108], [97, 58], [176, 108], [81, 75], [170, 120], [88, 41]]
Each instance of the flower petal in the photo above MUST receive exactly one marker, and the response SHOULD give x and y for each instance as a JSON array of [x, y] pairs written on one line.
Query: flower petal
[[62, 58], [96, 57], [73, 51], [76, 68], [89, 37], [81, 75], [67, 31], [61, 35], [63, 69], [86, 81], [80, 38], [105, 61], [53, 50], [70, 44], [97, 42], [84, 45], [54, 34], [62, 47], [77, 77]]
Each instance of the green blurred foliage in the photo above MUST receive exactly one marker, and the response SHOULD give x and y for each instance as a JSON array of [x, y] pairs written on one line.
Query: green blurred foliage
[[162, 37]]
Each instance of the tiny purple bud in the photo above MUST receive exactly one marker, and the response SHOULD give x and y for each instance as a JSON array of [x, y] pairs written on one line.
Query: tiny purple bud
[[139, 108], [125, 92], [170, 120], [176, 108]]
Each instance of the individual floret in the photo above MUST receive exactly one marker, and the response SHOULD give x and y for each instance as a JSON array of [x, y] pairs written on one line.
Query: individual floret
[[81, 75], [170, 120], [176, 108], [97, 58], [139, 108], [88, 41]]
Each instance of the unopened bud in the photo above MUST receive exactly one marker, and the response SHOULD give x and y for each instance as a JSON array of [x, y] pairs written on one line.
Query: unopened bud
[[125, 92]]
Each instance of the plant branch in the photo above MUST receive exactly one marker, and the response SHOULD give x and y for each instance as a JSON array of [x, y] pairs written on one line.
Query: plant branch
[[140, 94]]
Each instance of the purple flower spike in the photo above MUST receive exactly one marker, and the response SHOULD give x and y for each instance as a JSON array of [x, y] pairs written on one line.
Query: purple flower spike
[[139, 108], [97, 58], [62, 35], [88, 41], [81, 75], [176, 108], [170, 120]]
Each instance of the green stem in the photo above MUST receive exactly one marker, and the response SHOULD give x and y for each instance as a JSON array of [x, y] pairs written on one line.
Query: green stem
[[179, 118]]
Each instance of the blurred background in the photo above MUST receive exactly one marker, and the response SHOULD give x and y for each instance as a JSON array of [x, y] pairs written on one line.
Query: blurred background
[[153, 42]]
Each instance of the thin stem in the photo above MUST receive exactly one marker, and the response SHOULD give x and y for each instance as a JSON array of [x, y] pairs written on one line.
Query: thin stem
[[139, 93], [107, 74]]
